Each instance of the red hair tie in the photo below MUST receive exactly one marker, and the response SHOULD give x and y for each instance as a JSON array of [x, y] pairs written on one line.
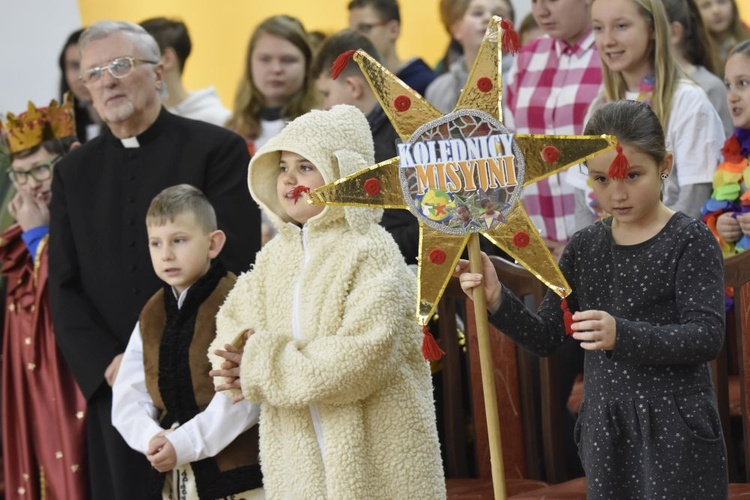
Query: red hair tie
[[619, 167]]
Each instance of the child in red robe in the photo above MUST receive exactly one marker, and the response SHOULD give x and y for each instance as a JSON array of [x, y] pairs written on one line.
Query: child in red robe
[[43, 411]]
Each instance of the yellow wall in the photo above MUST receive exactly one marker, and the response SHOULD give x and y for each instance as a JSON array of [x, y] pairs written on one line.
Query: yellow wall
[[220, 30], [744, 7]]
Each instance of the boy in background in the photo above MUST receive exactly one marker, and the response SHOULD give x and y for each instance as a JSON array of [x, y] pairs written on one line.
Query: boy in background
[[380, 22], [175, 45], [352, 88]]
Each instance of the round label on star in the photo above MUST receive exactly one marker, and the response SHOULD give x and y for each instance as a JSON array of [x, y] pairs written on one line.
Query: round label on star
[[461, 174]]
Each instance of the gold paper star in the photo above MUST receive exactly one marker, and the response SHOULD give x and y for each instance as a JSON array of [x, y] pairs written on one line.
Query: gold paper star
[[406, 182]]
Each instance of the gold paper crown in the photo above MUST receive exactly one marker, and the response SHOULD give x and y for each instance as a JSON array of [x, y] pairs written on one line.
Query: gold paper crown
[[35, 126]]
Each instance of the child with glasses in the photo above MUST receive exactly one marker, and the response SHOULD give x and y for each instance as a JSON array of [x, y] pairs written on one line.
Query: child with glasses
[[43, 409]]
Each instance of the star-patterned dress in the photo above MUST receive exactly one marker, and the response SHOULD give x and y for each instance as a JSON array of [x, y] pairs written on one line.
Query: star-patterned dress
[[648, 426]]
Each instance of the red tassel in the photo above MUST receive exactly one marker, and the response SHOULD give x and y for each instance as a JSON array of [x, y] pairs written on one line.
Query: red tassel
[[620, 166], [567, 317], [297, 192], [511, 40], [340, 63], [430, 348]]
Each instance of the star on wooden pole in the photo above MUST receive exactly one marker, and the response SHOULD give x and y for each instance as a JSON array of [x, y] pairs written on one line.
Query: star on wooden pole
[[462, 174]]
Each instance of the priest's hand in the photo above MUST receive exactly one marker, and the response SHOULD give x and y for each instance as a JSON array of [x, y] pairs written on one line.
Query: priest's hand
[[111, 372], [28, 211]]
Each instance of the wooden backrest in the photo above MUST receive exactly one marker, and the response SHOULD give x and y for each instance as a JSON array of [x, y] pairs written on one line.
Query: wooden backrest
[[513, 384], [737, 275]]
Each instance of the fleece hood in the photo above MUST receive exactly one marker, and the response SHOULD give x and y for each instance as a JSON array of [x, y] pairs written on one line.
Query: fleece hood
[[338, 142]]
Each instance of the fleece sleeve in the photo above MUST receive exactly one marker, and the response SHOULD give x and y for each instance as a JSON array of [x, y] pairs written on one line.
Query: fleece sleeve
[[236, 315], [345, 366]]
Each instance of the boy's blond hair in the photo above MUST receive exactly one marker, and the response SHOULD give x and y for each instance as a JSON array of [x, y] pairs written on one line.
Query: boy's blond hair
[[180, 199]]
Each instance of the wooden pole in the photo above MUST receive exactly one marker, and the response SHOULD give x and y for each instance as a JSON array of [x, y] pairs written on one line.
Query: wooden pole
[[488, 373]]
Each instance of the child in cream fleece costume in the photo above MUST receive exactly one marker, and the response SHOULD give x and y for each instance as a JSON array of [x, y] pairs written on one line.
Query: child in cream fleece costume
[[334, 358]]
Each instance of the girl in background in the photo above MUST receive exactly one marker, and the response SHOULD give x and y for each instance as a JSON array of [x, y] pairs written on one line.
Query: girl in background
[[727, 213], [692, 51], [724, 26], [88, 123], [466, 22], [276, 86], [642, 68], [647, 296]]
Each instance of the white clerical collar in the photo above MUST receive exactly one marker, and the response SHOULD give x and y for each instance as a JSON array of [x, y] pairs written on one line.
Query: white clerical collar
[[181, 297], [130, 142]]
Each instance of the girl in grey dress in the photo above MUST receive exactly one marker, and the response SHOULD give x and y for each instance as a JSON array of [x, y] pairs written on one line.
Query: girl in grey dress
[[647, 285]]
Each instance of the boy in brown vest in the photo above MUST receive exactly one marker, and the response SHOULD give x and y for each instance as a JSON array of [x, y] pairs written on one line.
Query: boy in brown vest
[[164, 403]]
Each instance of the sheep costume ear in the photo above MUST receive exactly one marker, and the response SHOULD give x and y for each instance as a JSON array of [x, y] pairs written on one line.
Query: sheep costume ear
[[358, 218]]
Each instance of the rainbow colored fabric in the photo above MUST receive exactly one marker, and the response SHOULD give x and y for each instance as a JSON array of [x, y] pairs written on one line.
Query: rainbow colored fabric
[[728, 195]]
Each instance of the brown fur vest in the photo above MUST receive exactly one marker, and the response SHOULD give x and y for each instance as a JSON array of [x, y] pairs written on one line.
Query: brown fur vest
[[175, 343]]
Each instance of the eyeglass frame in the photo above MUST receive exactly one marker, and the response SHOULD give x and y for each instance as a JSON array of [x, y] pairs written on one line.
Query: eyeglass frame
[[46, 166], [134, 61], [366, 28]]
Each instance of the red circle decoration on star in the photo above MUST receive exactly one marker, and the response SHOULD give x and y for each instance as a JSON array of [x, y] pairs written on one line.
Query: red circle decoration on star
[[521, 239], [550, 154], [484, 84], [402, 103], [372, 186], [437, 256]]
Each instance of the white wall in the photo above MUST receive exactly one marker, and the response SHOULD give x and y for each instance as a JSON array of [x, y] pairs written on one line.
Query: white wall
[[32, 33]]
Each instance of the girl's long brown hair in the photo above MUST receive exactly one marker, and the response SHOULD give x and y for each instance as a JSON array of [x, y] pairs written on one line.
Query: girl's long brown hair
[[249, 101]]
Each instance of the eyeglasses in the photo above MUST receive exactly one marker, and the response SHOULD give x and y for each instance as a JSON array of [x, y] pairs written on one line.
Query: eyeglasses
[[118, 68], [366, 28], [40, 172]]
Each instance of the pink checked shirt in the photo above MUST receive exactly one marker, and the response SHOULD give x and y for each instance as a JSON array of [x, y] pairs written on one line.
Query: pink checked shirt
[[549, 90]]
